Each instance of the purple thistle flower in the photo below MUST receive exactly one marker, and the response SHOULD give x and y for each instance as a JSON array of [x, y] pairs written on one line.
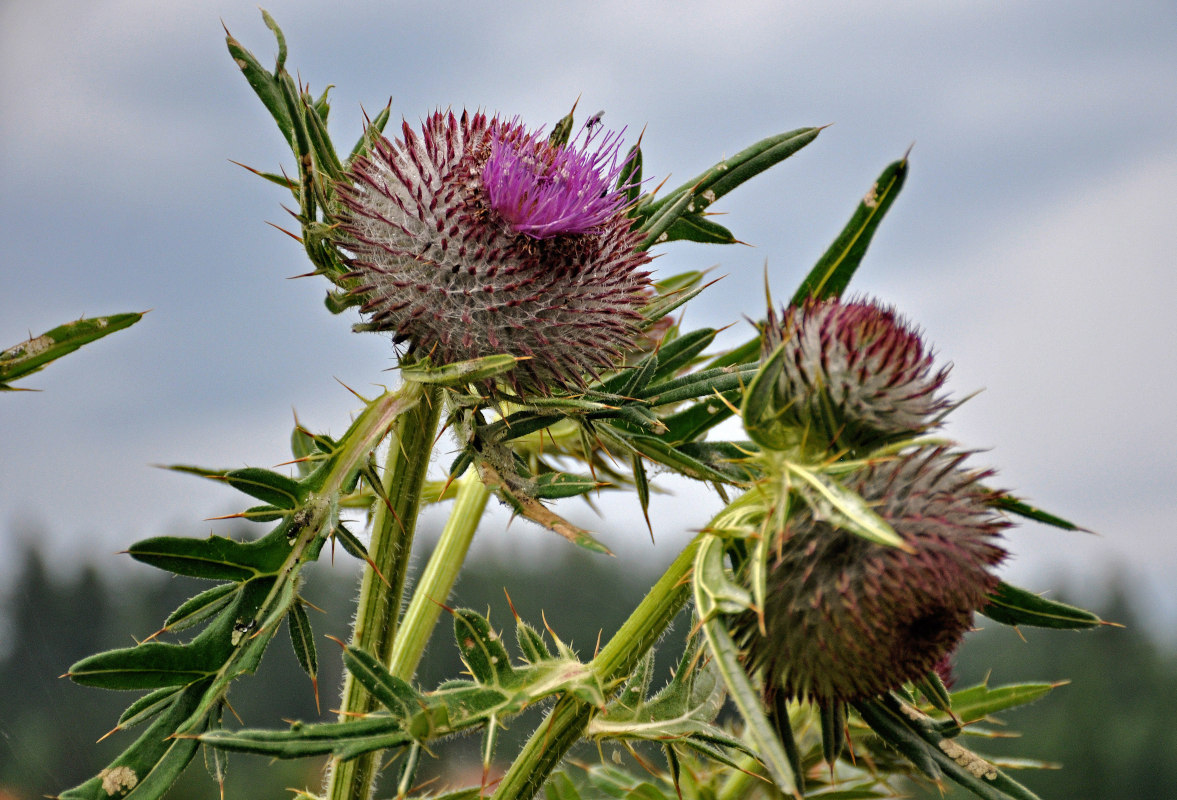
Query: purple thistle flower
[[477, 237], [544, 191]]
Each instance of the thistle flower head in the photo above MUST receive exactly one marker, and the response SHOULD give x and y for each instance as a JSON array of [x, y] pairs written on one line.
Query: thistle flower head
[[848, 619], [854, 373], [476, 236]]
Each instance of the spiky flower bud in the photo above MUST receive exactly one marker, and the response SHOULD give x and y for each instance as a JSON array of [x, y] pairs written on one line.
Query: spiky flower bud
[[854, 374], [848, 619], [477, 237]]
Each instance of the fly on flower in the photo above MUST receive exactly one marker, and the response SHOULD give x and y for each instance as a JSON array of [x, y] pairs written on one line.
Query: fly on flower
[[477, 236]]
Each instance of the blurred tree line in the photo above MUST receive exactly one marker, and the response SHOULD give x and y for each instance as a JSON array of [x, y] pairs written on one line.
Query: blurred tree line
[[1109, 727]]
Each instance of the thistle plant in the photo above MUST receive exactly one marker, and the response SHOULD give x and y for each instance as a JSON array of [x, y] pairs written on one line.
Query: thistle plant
[[509, 266]]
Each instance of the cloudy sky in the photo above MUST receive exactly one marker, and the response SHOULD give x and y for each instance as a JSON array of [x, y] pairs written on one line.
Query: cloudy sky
[[1033, 241]]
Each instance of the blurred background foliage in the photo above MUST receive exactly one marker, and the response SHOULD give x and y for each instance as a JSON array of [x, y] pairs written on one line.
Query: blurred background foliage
[[1110, 728]]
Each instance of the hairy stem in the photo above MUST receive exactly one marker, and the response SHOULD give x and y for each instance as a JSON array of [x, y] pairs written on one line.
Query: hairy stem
[[378, 608], [566, 722], [438, 578]]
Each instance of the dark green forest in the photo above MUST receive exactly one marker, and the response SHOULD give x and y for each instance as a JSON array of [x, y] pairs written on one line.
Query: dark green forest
[[1109, 727]]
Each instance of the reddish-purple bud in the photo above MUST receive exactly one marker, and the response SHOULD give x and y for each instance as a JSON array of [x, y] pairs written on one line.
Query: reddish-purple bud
[[854, 373], [848, 619]]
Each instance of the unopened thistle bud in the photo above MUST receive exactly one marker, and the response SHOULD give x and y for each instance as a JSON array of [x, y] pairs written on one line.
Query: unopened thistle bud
[[853, 374], [848, 619], [477, 237]]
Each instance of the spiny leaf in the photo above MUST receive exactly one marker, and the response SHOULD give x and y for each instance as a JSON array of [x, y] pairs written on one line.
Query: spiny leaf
[[555, 485], [147, 706], [1013, 606], [833, 271], [1023, 509], [199, 608], [914, 735], [261, 80], [33, 354], [266, 485], [302, 639], [709, 186], [977, 702], [843, 508], [401, 699], [154, 665], [153, 752], [531, 643], [481, 648], [460, 373], [214, 558]]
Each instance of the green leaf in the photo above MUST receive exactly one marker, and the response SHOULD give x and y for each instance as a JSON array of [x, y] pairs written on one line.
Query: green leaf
[[843, 508], [720, 179], [261, 80], [833, 271], [372, 132], [351, 544], [562, 130], [326, 158], [678, 353], [214, 558], [33, 354], [481, 648], [977, 702], [1023, 509], [155, 665], [699, 384], [302, 639], [266, 485], [401, 699], [763, 405], [531, 643], [554, 485], [460, 373], [758, 730], [915, 736], [147, 707], [697, 228], [152, 762], [1010, 605], [695, 420], [197, 609], [668, 455]]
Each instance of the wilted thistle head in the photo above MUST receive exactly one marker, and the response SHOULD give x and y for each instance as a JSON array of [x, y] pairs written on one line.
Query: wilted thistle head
[[477, 237], [848, 619], [854, 373]]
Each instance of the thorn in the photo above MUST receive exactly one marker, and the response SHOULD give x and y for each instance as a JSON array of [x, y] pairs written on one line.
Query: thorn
[[115, 729], [315, 686], [152, 636], [338, 641], [511, 605], [233, 711]]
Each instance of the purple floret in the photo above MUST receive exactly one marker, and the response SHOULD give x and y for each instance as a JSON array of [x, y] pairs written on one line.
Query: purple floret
[[544, 191]]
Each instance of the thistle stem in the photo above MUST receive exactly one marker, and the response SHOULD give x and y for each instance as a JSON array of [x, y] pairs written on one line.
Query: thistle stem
[[382, 586], [437, 580], [566, 722]]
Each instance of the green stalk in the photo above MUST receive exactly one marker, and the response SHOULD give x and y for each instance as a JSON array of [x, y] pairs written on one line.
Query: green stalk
[[567, 721], [381, 589], [440, 573]]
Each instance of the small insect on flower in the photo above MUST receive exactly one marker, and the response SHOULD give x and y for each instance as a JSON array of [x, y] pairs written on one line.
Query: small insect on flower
[[477, 236]]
